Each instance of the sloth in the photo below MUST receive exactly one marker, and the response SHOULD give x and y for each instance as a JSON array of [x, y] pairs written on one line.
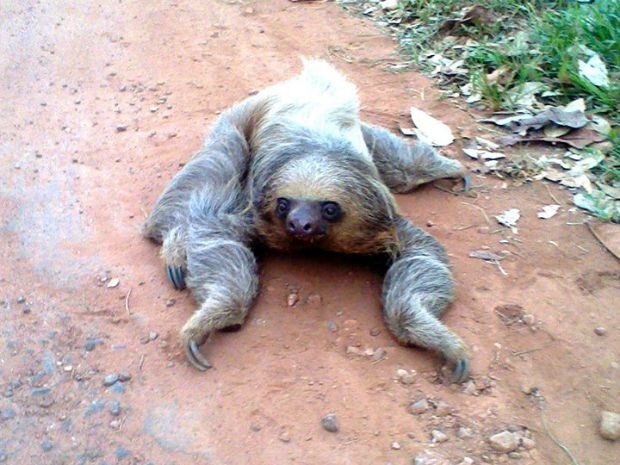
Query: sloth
[[294, 168]]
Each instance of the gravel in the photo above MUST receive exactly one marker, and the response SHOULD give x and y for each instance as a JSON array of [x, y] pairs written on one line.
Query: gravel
[[110, 379], [330, 423], [610, 425], [504, 441]]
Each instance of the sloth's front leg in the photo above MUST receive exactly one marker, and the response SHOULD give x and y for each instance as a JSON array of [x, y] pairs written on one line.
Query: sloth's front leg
[[417, 289], [222, 276]]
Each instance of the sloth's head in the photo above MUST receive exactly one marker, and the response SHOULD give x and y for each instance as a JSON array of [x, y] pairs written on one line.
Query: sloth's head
[[322, 194]]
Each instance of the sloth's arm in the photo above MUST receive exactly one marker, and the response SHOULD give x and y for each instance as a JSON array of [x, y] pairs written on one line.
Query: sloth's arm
[[418, 287], [204, 224], [404, 166]]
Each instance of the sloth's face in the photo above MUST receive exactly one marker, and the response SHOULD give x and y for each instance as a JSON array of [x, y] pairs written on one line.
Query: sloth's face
[[307, 221]]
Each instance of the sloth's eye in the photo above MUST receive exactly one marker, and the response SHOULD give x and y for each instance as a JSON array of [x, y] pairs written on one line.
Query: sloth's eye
[[331, 211], [282, 208]]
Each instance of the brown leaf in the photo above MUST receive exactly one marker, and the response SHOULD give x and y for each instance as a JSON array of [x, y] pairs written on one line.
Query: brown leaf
[[579, 139]]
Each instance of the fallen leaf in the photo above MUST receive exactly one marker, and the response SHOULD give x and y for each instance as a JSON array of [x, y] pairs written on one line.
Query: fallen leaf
[[594, 70], [485, 255], [431, 130], [578, 139], [509, 218], [548, 211], [607, 234]]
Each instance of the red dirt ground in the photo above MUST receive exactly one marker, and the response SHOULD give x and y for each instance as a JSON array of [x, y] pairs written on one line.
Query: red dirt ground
[[75, 192]]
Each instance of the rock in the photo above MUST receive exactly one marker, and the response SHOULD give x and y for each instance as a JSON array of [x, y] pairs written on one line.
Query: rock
[[115, 408], [330, 423], [284, 436], [90, 344], [352, 350], [504, 441], [47, 445], [379, 354], [332, 326], [95, 406], [124, 376], [21, 299], [389, 4], [467, 461], [115, 424], [470, 388], [529, 319], [114, 282], [429, 458], [514, 455], [439, 436], [395, 446], [110, 379], [7, 414], [153, 335], [405, 377], [118, 388], [292, 299], [527, 443], [41, 391], [121, 453], [170, 302], [442, 409], [600, 331], [464, 433], [610, 425], [374, 332], [418, 407]]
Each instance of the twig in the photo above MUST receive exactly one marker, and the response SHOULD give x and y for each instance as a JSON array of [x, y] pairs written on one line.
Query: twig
[[551, 195], [486, 218], [566, 450], [463, 228], [529, 351], [141, 362], [595, 234], [499, 267], [127, 302]]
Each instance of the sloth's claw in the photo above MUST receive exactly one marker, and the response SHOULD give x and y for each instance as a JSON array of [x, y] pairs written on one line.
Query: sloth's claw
[[461, 371], [175, 276], [466, 183], [194, 356]]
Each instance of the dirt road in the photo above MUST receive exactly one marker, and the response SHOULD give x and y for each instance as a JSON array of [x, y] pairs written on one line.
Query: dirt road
[[100, 103]]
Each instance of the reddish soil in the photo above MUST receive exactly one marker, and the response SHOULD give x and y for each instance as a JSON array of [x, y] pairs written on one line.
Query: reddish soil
[[75, 192]]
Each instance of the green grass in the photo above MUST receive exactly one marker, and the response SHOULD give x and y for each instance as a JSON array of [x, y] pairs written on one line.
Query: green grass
[[522, 41]]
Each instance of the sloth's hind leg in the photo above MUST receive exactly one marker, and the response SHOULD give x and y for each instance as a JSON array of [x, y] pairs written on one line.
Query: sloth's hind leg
[[404, 166]]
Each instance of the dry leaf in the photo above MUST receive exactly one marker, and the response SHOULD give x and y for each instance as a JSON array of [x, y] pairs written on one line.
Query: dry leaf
[[548, 211], [431, 130]]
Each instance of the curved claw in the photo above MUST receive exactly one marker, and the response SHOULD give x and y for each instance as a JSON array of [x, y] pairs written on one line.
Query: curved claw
[[194, 356], [175, 276], [466, 183], [461, 371]]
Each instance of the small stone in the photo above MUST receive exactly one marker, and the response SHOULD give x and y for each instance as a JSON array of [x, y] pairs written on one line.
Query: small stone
[[315, 300], [170, 302], [47, 445], [504, 441], [529, 319], [439, 436], [389, 4], [330, 423], [124, 376], [255, 427], [41, 391], [430, 223], [26, 310], [379, 354], [114, 282], [284, 436], [395, 446], [467, 461], [514, 455], [464, 433], [610, 425], [600, 331], [352, 350], [115, 424], [90, 344], [405, 377], [110, 379], [332, 326], [21, 299], [121, 453], [115, 408], [153, 335], [374, 332], [7, 414], [118, 388], [470, 388], [528, 443], [418, 407], [428, 458], [442, 409], [121, 128], [292, 299]]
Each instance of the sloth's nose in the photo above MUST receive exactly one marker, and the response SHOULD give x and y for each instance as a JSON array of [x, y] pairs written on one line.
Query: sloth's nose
[[305, 223], [301, 227]]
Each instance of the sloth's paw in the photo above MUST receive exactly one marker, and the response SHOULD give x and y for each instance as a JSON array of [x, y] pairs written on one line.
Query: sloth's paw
[[461, 371], [192, 340], [176, 276]]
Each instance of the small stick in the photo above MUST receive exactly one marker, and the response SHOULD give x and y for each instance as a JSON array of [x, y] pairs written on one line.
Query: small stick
[[141, 362], [486, 218], [551, 195], [566, 450], [127, 302], [500, 267]]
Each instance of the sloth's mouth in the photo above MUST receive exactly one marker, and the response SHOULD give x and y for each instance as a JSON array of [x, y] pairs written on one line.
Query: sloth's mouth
[[308, 239]]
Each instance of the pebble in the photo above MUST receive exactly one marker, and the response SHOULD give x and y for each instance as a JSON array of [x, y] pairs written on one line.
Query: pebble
[[114, 282], [405, 377], [21, 299], [439, 436], [464, 433], [95, 406], [418, 407], [7, 414], [292, 299], [600, 331], [47, 445], [124, 376], [467, 461], [90, 344], [284, 436], [395, 446], [115, 408], [121, 128], [428, 458], [110, 379], [374, 332], [115, 424], [153, 335], [529, 319], [332, 326], [514, 455], [118, 388], [528, 443], [330, 423], [504, 441], [442, 409], [121, 453], [610, 425], [170, 302], [379, 354], [41, 391]]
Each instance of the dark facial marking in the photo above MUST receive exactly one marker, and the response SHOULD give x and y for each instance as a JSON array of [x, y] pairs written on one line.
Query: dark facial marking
[[307, 220], [331, 211]]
